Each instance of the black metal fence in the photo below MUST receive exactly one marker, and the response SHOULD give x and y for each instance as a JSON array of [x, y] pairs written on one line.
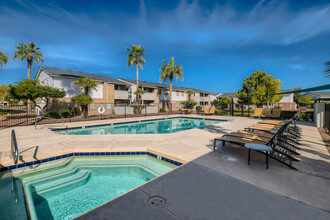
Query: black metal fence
[[58, 112], [327, 117]]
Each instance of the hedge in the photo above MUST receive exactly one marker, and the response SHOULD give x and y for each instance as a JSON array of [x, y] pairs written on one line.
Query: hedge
[[304, 116]]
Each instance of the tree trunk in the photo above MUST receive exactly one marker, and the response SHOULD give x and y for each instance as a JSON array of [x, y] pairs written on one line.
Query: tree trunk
[[137, 82], [171, 95], [84, 109], [29, 68]]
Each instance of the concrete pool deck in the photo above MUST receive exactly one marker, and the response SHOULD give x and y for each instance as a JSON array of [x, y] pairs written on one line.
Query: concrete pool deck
[[305, 189]]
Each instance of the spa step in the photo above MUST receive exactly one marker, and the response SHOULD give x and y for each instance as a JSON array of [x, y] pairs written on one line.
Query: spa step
[[55, 178], [47, 170], [66, 184]]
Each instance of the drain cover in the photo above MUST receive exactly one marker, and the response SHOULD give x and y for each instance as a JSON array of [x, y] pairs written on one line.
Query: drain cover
[[156, 201], [231, 159]]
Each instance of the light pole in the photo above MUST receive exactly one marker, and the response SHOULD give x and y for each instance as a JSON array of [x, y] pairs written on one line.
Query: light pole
[[248, 93]]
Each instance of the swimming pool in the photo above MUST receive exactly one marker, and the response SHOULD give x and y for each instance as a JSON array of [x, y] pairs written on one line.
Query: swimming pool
[[69, 187], [158, 126]]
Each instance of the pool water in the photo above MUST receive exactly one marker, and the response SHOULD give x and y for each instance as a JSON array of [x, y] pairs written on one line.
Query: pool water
[[162, 126], [76, 185]]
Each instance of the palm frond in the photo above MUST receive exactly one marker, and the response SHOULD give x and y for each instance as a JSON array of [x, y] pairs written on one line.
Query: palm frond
[[327, 69]]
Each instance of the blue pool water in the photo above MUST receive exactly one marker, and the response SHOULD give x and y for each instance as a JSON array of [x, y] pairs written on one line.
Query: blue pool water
[[70, 187], [162, 126]]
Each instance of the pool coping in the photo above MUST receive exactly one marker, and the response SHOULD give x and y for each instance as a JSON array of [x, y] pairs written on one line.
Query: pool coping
[[155, 154], [55, 129]]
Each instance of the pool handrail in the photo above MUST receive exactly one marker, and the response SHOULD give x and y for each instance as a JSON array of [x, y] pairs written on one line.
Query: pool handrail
[[57, 119], [14, 148]]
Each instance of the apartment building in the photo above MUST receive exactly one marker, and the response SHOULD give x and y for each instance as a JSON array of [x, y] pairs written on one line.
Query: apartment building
[[108, 90], [118, 91]]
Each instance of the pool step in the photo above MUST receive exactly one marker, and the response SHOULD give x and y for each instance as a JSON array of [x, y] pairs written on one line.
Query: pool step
[[48, 170], [55, 179], [59, 186]]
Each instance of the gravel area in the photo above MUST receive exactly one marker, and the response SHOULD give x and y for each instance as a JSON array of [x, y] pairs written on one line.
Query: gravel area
[[326, 138]]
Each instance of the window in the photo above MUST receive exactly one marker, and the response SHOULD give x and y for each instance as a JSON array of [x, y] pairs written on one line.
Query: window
[[182, 93], [177, 93], [117, 87], [117, 102]]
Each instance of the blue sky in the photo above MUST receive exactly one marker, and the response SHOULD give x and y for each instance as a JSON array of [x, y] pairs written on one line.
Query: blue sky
[[218, 43]]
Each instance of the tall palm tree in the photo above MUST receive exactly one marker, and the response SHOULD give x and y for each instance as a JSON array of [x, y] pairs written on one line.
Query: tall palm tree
[[135, 58], [327, 69], [30, 52], [3, 59], [170, 71]]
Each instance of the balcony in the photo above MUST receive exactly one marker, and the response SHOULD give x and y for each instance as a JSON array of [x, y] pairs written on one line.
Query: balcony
[[121, 94], [205, 99], [149, 96], [164, 98]]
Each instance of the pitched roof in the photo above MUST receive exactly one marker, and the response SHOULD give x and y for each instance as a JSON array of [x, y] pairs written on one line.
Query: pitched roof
[[144, 83], [229, 94], [121, 81], [320, 95], [78, 74]]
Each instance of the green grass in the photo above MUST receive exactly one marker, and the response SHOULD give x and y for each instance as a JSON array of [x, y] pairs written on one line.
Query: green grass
[[9, 111]]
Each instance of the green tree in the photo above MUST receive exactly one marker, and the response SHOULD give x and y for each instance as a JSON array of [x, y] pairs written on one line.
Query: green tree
[[327, 69], [170, 71], [189, 92], [32, 90], [3, 59], [223, 101], [4, 91], [297, 95], [188, 104], [258, 86], [86, 85], [30, 52], [305, 100], [139, 92], [135, 58]]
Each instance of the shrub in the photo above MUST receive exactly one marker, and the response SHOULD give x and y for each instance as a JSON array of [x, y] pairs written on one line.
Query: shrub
[[199, 109], [304, 116], [74, 111], [218, 112], [65, 113], [162, 110], [188, 105], [137, 108], [51, 115]]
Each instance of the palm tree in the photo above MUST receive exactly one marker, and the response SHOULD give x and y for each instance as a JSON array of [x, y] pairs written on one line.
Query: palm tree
[[327, 69], [30, 52], [139, 93], [86, 85], [135, 58], [170, 71], [189, 92], [3, 59]]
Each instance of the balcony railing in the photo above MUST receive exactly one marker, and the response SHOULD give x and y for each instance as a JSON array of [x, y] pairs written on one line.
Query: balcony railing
[[121, 94], [148, 96], [201, 99]]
